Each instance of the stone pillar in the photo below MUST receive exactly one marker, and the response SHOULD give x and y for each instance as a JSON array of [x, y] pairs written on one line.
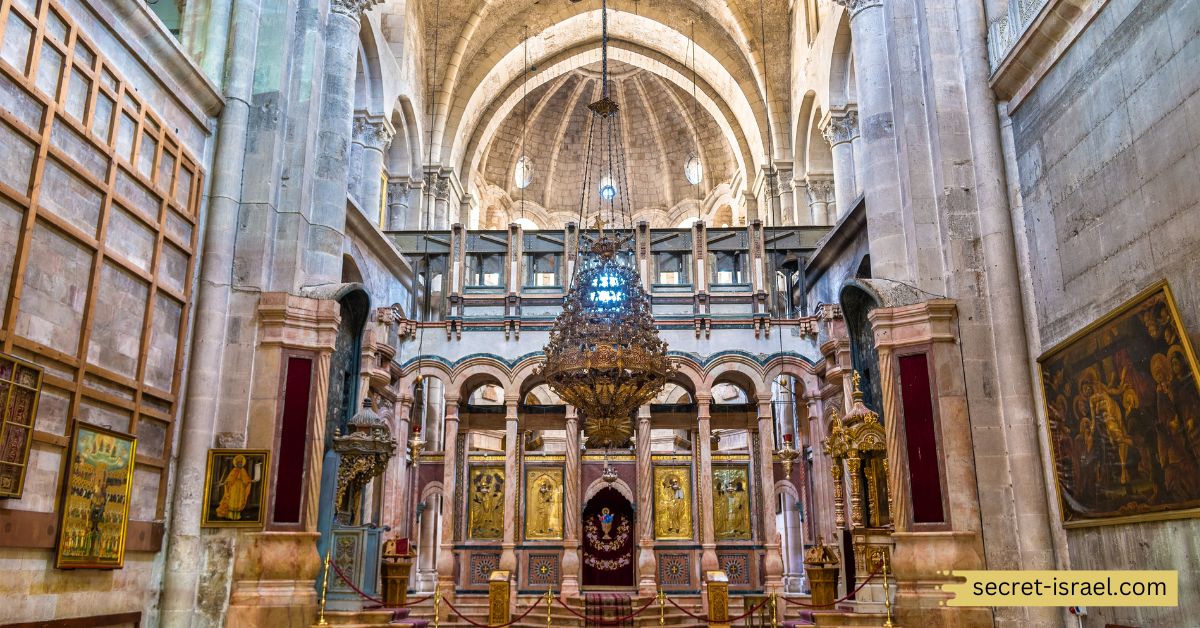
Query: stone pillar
[[703, 446], [445, 559], [512, 484], [572, 510], [820, 197], [437, 214], [802, 213], [375, 136], [397, 204], [921, 555], [885, 219], [772, 560], [397, 489], [428, 548], [793, 533], [840, 128], [327, 224], [647, 564]]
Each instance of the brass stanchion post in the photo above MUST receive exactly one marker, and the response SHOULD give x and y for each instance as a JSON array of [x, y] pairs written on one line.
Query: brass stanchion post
[[662, 607], [774, 619], [324, 587], [887, 594], [549, 603], [437, 603]]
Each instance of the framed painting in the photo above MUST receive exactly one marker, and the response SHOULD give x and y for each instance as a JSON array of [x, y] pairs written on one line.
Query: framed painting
[[672, 503], [1123, 413], [235, 493], [20, 383], [485, 503], [95, 509], [731, 503], [544, 503]]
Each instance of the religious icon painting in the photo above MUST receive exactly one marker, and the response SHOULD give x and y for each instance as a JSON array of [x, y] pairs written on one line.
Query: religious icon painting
[[672, 503], [485, 503], [235, 488], [731, 503], [1123, 412], [95, 509], [20, 383], [544, 503]]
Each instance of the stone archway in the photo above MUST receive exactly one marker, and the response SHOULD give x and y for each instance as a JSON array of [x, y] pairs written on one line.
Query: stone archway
[[608, 540]]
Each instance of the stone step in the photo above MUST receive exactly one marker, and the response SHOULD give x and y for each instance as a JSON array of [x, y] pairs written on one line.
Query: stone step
[[359, 618]]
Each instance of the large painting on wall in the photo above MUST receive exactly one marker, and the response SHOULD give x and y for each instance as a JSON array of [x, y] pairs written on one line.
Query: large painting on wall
[[485, 503], [95, 510], [1124, 415], [544, 503], [731, 503], [672, 503], [234, 491]]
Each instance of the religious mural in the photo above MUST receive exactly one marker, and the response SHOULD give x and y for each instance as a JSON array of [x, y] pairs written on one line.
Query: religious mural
[[672, 503], [731, 503], [95, 509], [20, 382], [544, 503], [485, 503], [234, 491], [1124, 415]]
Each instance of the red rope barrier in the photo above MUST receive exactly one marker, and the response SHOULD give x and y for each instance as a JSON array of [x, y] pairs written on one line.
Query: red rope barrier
[[360, 592], [705, 618], [504, 625], [607, 622], [839, 600]]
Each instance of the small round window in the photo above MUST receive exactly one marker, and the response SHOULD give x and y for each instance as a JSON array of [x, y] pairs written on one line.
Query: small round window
[[523, 173]]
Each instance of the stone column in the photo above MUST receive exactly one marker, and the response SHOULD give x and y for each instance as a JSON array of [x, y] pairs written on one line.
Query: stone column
[[427, 550], [773, 562], [840, 128], [445, 559], [512, 484], [397, 204], [802, 213], [437, 214], [885, 219], [647, 563], [327, 224], [820, 197], [375, 135], [572, 510], [703, 446], [793, 533], [397, 490]]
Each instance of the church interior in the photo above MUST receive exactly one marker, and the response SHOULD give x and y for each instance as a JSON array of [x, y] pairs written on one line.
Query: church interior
[[454, 313]]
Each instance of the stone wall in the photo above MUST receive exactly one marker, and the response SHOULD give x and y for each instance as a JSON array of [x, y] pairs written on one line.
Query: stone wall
[[103, 155], [1106, 146]]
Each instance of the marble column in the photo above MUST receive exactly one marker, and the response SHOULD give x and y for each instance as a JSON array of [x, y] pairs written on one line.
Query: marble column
[[398, 204], [512, 484], [889, 241], [437, 213], [327, 223], [840, 128], [647, 564], [820, 199], [772, 563], [427, 550], [397, 492], [375, 135], [703, 447], [572, 510], [793, 534], [445, 559]]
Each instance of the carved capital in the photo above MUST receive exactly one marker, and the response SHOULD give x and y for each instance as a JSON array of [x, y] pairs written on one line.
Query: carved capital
[[375, 134], [820, 190], [840, 127], [857, 6], [352, 9], [398, 191]]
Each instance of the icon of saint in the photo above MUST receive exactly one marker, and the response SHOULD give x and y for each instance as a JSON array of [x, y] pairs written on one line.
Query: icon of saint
[[235, 490]]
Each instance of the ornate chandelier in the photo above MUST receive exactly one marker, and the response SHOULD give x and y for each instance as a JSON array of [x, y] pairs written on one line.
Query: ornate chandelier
[[604, 356]]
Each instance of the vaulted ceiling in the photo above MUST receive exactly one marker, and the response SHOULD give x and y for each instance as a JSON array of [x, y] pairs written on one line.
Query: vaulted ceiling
[[476, 57]]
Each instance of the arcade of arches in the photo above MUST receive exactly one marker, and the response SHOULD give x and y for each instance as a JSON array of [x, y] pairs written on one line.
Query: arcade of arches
[[276, 277]]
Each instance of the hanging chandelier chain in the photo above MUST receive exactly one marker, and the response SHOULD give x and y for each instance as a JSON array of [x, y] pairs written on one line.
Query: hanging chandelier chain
[[604, 46]]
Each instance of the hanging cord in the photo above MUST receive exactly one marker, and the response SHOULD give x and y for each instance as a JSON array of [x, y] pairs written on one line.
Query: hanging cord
[[429, 183], [695, 120], [524, 123]]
